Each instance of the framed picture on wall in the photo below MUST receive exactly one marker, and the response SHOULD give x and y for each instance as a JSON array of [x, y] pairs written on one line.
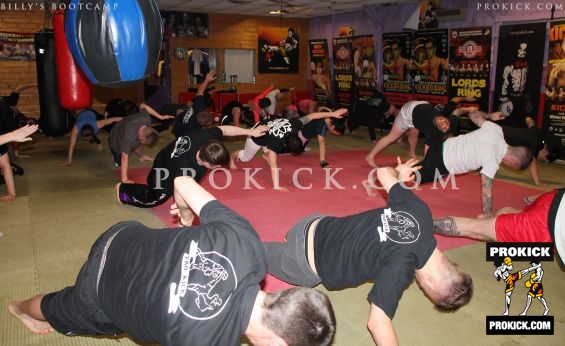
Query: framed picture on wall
[[278, 50]]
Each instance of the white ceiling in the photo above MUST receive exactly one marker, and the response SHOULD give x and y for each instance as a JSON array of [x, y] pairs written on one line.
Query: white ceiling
[[291, 8]]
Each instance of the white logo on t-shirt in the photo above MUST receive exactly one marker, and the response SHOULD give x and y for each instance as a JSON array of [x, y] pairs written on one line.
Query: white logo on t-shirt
[[182, 145], [207, 281], [279, 127], [400, 227]]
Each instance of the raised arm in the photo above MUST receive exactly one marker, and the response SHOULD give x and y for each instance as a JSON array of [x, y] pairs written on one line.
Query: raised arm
[[210, 76], [478, 117], [189, 197]]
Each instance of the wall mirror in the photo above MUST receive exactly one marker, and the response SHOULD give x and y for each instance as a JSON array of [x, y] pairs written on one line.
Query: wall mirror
[[232, 65]]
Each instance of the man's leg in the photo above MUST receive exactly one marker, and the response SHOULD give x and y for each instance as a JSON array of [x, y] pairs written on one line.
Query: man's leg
[[393, 135], [413, 134], [480, 229], [29, 313]]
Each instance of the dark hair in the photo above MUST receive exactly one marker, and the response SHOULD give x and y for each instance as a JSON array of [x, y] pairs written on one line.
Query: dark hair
[[128, 107], [12, 99], [294, 144], [87, 131], [214, 152], [204, 118], [264, 103], [300, 316], [524, 155], [339, 125]]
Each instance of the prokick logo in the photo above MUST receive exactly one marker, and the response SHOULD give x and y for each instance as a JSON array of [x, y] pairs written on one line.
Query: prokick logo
[[515, 262]]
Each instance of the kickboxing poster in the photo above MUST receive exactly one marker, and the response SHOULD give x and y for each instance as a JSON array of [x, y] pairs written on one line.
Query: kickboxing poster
[[320, 69], [553, 125], [17, 46], [469, 68], [397, 81], [343, 72], [278, 50], [431, 65], [519, 68], [365, 76]]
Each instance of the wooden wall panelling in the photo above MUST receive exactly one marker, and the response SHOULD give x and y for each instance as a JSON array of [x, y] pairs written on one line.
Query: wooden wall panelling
[[228, 31]]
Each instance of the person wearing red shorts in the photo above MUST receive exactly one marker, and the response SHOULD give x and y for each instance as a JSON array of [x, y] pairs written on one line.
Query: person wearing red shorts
[[541, 221]]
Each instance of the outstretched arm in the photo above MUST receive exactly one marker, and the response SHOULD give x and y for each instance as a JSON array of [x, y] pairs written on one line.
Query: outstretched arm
[[404, 172], [190, 198], [231, 131], [20, 135], [320, 115], [154, 113], [105, 122]]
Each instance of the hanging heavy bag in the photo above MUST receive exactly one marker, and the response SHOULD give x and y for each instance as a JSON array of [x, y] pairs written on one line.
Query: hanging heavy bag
[[114, 42]]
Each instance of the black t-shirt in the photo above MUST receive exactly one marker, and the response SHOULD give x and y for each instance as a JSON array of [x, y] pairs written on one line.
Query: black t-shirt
[[384, 245], [187, 123], [184, 286], [529, 138], [10, 100], [431, 123], [8, 119], [180, 154], [228, 108], [278, 130]]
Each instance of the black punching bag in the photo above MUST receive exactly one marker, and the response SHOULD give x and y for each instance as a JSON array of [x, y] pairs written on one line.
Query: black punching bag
[[54, 120]]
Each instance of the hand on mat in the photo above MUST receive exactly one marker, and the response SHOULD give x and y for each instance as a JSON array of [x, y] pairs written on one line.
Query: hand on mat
[[145, 158], [281, 189], [7, 198], [485, 216], [65, 164], [406, 170], [127, 181]]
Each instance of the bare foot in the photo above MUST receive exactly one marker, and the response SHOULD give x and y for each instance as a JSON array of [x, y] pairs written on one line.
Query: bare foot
[[368, 188], [370, 161], [36, 326], [232, 164]]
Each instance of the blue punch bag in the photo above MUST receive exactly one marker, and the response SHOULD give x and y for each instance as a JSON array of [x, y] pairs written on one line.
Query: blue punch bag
[[54, 120], [114, 42]]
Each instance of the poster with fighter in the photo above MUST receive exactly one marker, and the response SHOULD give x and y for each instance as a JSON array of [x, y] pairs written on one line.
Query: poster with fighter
[[343, 72], [278, 50], [431, 65], [397, 81], [320, 70], [469, 69], [519, 67], [553, 125], [365, 76]]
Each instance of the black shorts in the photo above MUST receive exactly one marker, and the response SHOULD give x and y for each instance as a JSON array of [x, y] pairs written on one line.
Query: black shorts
[[432, 163], [75, 310]]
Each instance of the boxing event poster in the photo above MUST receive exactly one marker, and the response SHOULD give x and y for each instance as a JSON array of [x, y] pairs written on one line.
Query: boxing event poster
[[343, 72], [320, 69], [365, 76], [397, 81], [469, 68], [518, 71], [430, 72], [278, 50], [553, 125], [17, 46]]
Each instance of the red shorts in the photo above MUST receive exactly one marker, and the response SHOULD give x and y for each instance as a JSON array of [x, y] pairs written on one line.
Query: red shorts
[[530, 225]]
